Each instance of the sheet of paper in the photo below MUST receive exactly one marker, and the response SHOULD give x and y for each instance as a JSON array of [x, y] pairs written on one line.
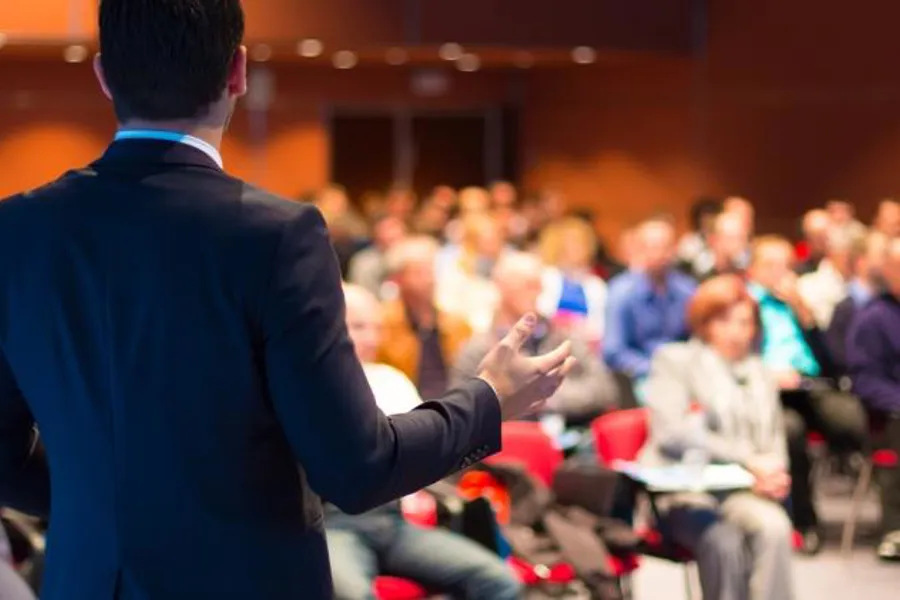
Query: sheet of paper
[[685, 478]]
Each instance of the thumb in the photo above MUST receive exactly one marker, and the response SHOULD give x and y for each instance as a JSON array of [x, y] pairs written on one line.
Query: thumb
[[520, 332]]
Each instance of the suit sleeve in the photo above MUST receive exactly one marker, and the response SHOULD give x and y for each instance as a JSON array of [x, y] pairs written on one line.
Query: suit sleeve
[[24, 475], [352, 454]]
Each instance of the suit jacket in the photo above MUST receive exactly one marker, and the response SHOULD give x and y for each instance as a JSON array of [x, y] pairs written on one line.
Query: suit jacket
[[742, 406], [178, 337], [401, 348]]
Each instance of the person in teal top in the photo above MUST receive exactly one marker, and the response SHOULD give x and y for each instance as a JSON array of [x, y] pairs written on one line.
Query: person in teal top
[[784, 347], [796, 353]]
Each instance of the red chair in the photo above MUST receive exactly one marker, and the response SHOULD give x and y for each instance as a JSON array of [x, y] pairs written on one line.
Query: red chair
[[526, 443], [394, 588], [619, 436]]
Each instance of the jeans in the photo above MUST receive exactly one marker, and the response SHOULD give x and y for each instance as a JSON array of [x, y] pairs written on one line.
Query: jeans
[[365, 546]]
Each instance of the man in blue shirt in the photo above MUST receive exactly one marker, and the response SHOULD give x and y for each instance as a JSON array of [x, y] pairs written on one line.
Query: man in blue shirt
[[646, 307], [796, 352]]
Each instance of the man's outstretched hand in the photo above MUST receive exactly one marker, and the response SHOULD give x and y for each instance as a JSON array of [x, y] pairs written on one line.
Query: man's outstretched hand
[[524, 383]]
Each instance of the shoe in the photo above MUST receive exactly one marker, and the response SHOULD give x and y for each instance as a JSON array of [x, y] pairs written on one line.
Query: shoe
[[809, 542], [889, 548]]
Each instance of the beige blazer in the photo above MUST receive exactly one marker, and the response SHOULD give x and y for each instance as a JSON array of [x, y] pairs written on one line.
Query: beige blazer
[[741, 404]]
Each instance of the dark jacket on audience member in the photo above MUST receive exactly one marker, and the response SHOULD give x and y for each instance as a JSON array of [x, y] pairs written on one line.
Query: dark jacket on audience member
[[179, 338], [873, 354]]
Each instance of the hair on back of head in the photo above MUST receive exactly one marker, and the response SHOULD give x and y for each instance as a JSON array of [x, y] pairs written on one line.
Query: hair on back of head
[[168, 59]]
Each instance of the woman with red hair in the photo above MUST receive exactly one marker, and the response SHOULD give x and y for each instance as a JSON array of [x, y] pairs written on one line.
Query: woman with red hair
[[742, 539]]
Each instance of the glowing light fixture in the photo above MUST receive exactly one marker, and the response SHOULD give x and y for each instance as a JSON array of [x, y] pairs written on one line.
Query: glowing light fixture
[[310, 48], [344, 59], [451, 51], [584, 55], [396, 56], [468, 63], [261, 53], [75, 53]]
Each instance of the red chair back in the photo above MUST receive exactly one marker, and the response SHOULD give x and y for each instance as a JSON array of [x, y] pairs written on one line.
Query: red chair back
[[395, 588], [620, 435], [525, 442]]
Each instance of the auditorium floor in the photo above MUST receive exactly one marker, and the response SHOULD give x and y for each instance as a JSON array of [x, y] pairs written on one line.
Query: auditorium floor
[[824, 577]]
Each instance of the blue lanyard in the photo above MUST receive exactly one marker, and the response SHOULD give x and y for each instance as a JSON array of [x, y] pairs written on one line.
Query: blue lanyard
[[171, 136]]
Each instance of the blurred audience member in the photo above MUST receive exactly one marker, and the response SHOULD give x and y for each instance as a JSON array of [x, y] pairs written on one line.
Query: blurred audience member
[[795, 349], [348, 231], [843, 215], [816, 227], [419, 340], [729, 248], [505, 208], [361, 547], [823, 289], [743, 208], [434, 215], [873, 355], [372, 205], [887, 220], [646, 307], [400, 203], [694, 252], [368, 267], [605, 265], [718, 374], [867, 284], [589, 389], [572, 295], [629, 250], [463, 273], [471, 201]]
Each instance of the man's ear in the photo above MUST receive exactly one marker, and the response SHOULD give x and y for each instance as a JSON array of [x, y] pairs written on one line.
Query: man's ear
[[237, 77], [101, 77]]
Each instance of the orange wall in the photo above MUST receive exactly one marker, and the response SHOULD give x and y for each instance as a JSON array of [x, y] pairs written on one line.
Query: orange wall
[[797, 106], [48, 19]]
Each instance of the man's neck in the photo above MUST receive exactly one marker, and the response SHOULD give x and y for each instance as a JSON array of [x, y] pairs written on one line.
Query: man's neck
[[210, 134]]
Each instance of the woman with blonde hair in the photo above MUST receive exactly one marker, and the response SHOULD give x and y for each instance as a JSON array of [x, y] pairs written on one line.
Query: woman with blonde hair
[[573, 296]]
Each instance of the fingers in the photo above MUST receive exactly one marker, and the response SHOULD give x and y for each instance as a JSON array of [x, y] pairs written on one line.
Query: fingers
[[555, 359], [520, 332]]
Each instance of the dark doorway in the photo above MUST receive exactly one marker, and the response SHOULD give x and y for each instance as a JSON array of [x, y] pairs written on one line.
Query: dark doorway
[[371, 150], [449, 150], [362, 152]]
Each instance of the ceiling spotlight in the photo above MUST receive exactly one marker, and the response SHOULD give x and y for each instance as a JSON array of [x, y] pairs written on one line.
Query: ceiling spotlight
[[468, 63], [344, 59], [396, 56], [523, 60], [451, 51], [75, 54], [583, 55], [310, 48], [261, 53]]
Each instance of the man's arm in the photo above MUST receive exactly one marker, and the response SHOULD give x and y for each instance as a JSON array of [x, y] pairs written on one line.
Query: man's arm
[[24, 475], [616, 348], [353, 455], [870, 366]]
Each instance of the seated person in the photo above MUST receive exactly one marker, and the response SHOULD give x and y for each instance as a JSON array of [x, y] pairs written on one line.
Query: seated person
[[645, 307], [588, 391], [873, 356], [796, 351], [741, 540], [363, 546], [417, 338]]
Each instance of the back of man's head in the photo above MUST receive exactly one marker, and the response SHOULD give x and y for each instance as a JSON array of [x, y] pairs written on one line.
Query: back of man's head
[[168, 60]]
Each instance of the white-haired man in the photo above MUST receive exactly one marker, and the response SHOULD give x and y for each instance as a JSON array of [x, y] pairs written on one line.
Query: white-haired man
[[362, 546]]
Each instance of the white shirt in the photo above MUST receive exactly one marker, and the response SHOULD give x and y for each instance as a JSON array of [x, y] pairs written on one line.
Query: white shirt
[[171, 136], [394, 392], [823, 290]]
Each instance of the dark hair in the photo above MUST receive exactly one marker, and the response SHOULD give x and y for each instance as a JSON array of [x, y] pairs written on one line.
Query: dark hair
[[168, 59], [703, 207]]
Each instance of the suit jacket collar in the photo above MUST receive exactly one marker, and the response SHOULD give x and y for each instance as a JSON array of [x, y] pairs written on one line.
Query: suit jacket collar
[[150, 154]]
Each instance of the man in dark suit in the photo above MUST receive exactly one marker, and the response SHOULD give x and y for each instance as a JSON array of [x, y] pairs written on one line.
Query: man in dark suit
[[178, 338]]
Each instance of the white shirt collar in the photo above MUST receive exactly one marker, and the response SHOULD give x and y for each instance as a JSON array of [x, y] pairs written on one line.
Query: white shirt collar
[[172, 136]]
